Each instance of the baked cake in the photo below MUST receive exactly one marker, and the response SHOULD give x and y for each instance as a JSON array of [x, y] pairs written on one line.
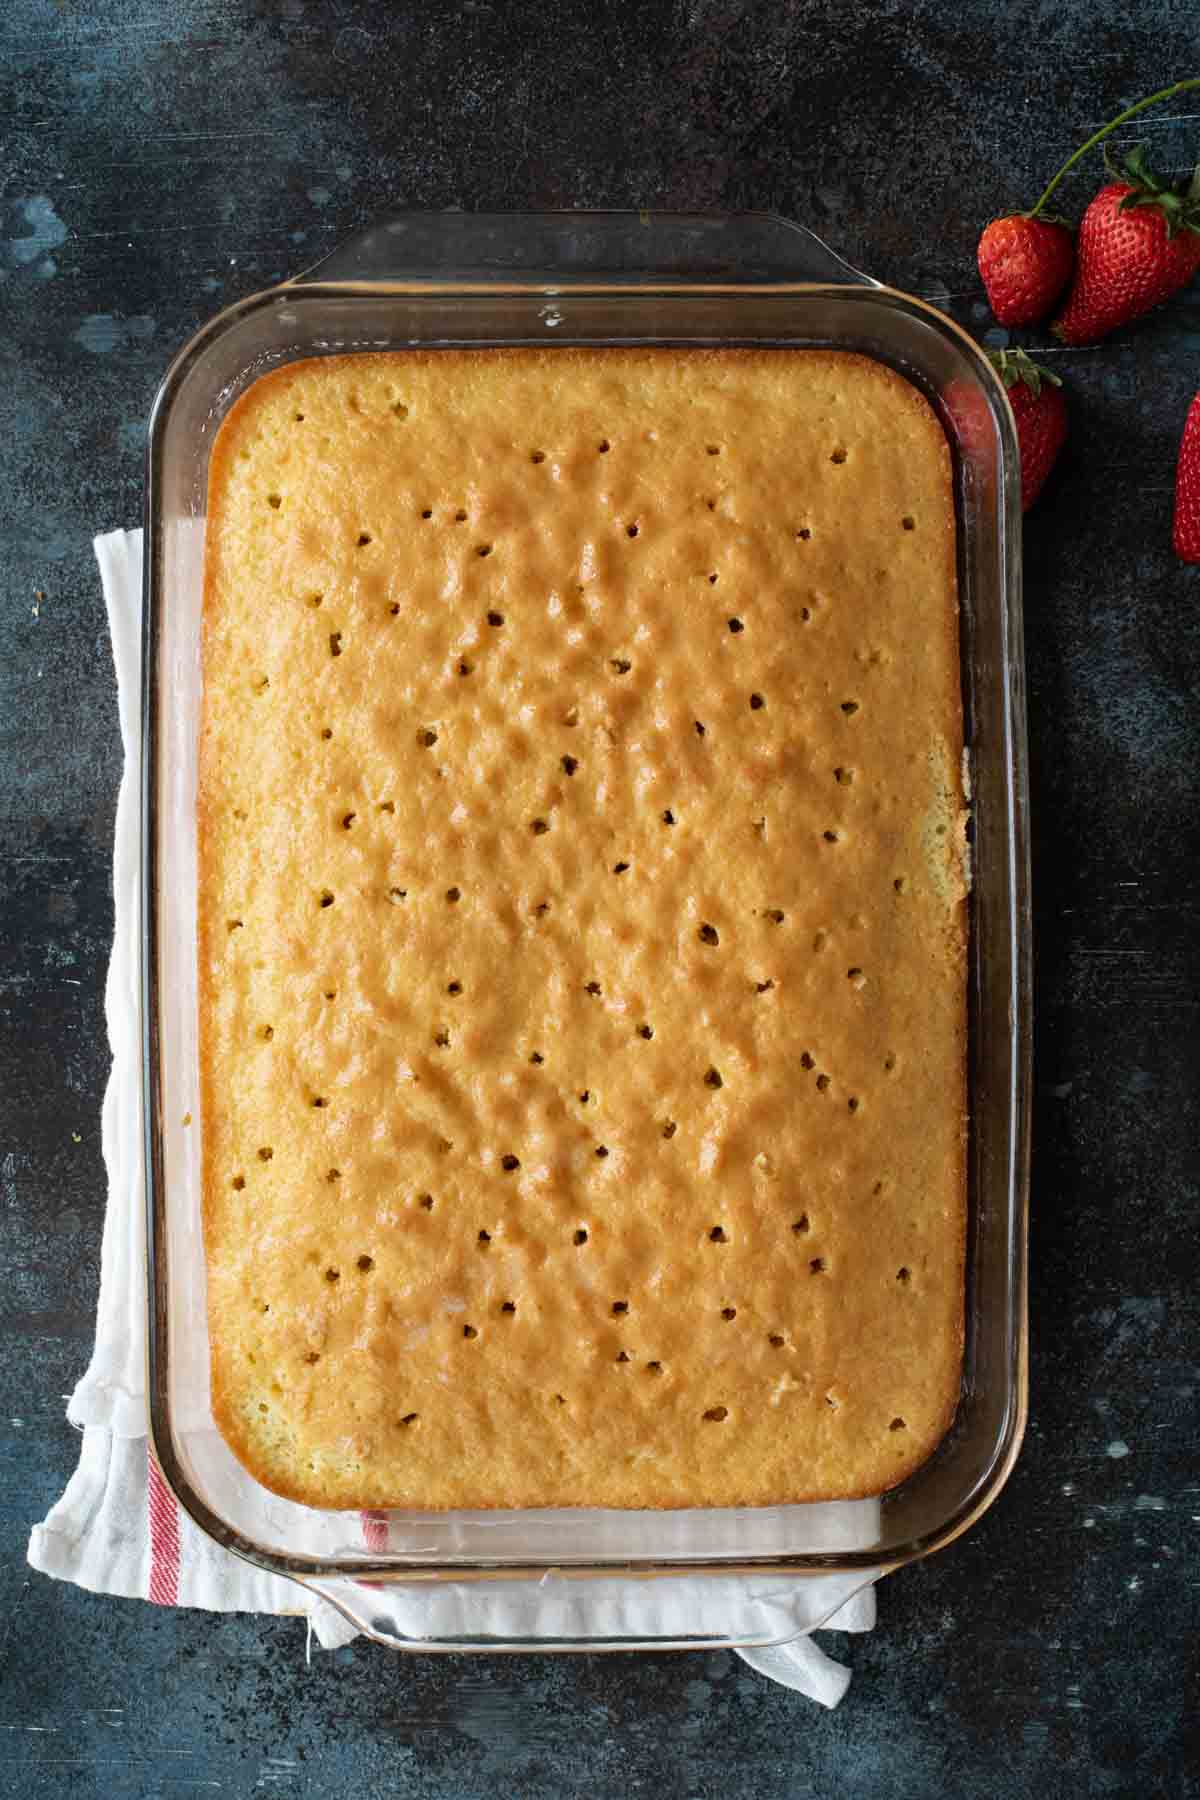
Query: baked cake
[[581, 899]]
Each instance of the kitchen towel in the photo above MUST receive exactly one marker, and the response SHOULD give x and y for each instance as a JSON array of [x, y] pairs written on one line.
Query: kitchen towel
[[118, 1529]]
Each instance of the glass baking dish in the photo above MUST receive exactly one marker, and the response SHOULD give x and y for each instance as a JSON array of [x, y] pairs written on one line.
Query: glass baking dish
[[422, 1580]]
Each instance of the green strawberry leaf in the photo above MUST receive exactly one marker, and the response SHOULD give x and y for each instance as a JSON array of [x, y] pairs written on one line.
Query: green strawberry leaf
[[1179, 204], [1014, 365]]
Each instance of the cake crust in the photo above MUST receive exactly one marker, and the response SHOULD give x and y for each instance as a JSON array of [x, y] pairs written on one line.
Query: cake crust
[[582, 929]]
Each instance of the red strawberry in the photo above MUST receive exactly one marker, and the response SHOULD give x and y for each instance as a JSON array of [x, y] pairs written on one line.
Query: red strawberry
[[1139, 242], [1041, 415], [1186, 535], [1025, 263]]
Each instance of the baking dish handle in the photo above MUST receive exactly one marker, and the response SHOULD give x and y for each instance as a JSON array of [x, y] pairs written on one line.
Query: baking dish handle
[[558, 1612], [558, 250]]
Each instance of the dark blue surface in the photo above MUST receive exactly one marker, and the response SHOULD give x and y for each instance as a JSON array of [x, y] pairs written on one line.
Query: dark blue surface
[[161, 160]]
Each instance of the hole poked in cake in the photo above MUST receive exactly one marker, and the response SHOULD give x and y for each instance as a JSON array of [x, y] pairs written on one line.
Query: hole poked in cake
[[838, 455], [716, 1415], [757, 703], [275, 501], [736, 627], [708, 934], [801, 1226], [729, 1314], [713, 1078], [569, 765], [908, 523], [718, 1235], [335, 643], [669, 1128], [326, 898], [898, 1424], [365, 1264], [537, 456]]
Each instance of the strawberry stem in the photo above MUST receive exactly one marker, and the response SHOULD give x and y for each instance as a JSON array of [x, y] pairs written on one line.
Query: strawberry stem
[[1179, 87]]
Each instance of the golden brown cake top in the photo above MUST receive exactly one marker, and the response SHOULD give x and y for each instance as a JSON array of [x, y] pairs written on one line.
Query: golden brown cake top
[[581, 935]]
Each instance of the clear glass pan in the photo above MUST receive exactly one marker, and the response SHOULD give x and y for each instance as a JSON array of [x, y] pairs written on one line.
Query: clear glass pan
[[591, 278]]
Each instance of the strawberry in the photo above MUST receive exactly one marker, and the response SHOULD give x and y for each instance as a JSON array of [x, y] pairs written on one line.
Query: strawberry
[[1040, 411], [1186, 534], [1139, 243], [1025, 263]]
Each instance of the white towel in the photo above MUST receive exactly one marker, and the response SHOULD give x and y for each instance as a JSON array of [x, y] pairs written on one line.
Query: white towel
[[119, 1530]]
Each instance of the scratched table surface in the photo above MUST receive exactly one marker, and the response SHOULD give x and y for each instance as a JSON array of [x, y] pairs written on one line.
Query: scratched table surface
[[162, 160]]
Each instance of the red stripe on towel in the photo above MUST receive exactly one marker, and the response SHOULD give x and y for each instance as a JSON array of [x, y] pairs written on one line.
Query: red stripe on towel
[[164, 1537], [374, 1530]]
